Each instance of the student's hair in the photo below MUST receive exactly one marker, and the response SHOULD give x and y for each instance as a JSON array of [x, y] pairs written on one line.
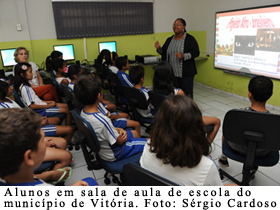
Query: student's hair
[[120, 62], [183, 21], [19, 131], [4, 86], [164, 80], [107, 58], [73, 70], [178, 133], [87, 87], [136, 73], [54, 55], [114, 55], [57, 63], [18, 80], [17, 52], [261, 88]]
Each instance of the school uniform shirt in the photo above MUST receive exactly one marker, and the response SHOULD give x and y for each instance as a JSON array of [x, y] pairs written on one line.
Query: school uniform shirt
[[71, 85], [106, 133], [29, 96], [125, 79], [148, 112], [114, 69], [35, 80], [38, 182], [204, 174], [11, 104], [59, 79]]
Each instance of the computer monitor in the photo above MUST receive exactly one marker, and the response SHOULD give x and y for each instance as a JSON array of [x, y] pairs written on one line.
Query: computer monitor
[[111, 46], [8, 58], [67, 51]]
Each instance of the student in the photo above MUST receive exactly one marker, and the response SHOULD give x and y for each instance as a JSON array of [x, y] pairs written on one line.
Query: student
[[136, 74], [178, 149], [60, 67], [115, 143], [48, 124], [260, 89], [73, 72], [113, 67], [123, 65], [54, 55], [119, 120], [47, 92], [23, 73], [21, 154], [164, 83]]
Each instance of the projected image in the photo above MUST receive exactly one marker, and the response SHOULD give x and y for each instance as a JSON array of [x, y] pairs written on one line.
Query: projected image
[[67, 51], [245, 45], [268, 40], [248, 41], [8, 58]]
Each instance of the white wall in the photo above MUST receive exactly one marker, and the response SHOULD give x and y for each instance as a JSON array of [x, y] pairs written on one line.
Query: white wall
[[36, 17], [201, 14]]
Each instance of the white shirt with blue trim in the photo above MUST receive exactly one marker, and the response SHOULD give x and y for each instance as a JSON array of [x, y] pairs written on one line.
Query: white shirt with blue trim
[[28, 96], [11, 104]]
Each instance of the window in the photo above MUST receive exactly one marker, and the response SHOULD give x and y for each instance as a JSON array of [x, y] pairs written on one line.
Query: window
[[99, 19]]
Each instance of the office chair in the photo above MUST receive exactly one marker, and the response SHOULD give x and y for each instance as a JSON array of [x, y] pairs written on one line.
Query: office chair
[[253, 130], [135, 175], [91, 147], [57, 86], [137, 100], [68, 92], [104, 75], [156, 99], [18, 99]]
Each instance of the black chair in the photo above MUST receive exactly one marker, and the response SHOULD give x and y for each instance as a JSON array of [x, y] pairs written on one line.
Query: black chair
[[57, 86], [18, 99], [68, 92], [135, 175], [253, 130], [104, 75], [91, 147], [117, 87], [156, 99], [137, 100]]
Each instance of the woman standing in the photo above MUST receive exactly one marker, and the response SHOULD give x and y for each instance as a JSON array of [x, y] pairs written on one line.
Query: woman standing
[[180, 50]]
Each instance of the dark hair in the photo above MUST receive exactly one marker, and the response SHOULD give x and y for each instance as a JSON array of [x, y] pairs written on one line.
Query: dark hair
[[120, 62], [19, 131], [54, 55], [178, 133], [57, 63], [183, 21], [73, 70], [136, 73], [261, 88], [4, 86], [164, 80], [87, 87], [18, 80], [114, 56], [107, 55]]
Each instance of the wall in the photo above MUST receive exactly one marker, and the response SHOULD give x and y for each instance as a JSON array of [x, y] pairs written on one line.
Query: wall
[[202, 24]]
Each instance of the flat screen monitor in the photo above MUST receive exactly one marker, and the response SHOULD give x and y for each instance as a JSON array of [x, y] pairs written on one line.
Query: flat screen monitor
[[111, 46], [7, 56], [248, 41], [67, 51]]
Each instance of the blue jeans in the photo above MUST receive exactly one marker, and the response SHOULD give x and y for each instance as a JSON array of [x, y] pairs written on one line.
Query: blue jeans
[[186, 84]]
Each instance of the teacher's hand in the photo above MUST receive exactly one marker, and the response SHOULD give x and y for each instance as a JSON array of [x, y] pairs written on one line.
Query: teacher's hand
[[179, 55], [157, 45]]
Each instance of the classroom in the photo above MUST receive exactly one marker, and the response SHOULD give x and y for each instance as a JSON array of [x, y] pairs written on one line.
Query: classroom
[[30, 23]]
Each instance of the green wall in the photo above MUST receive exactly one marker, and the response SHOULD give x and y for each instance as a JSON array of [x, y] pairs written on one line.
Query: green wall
[[143, 45]]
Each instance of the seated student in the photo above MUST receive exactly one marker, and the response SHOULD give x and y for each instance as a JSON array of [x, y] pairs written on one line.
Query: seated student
[[49, 125], [113, 67], [260, 89], [21, 154], [60, 67], [115, 143], [23, 73], [73, 72], [123, 65], [119, 120], [136, 74], [164, 83], [46, 92], [178, 149], [54, 55]]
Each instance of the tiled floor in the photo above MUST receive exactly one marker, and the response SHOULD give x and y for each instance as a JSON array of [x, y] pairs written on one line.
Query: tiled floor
[[212, 102]]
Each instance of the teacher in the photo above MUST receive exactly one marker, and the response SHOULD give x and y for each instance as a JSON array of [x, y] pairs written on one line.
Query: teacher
[[180, 50]]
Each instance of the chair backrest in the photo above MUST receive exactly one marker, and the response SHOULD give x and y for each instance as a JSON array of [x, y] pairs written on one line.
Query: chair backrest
[[57, 86], [117, 87], [86, 129], [242, 127], [68, 92], [136, 97], [134, 175], [156, 99], [18, 99]]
